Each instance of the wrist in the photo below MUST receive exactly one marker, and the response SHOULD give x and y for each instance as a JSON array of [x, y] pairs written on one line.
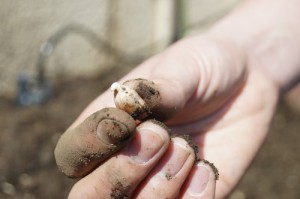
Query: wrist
[[275, 53], [269, 39]]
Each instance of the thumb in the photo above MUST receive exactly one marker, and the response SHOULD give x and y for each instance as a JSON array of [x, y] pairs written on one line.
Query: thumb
[[195, 77], [200, 72]]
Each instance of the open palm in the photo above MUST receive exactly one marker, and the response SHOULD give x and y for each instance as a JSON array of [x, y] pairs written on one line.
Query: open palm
[[231, 137], [210, 91]]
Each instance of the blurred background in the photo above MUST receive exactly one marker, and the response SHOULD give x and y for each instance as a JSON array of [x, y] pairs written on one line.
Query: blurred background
[[57, 56]]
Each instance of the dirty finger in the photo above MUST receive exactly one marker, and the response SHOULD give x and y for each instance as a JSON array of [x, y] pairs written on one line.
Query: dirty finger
[[119, 176], [201, 183], [81, 149], [168, 176]]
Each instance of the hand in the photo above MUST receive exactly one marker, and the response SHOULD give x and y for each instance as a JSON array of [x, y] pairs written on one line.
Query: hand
[[221, 89], [208, 91]]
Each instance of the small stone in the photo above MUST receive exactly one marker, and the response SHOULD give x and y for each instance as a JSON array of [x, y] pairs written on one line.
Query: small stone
[[8, 188], [26, 180]]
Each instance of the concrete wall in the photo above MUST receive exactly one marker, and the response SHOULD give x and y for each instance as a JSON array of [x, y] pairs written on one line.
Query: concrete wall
[[138, 28]]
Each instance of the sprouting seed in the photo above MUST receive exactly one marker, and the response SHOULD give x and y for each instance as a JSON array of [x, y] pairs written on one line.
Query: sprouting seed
[[128, 100]]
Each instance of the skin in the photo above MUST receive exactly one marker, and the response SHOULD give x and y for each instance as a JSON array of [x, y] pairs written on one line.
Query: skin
[[94, 140], [222, 88]]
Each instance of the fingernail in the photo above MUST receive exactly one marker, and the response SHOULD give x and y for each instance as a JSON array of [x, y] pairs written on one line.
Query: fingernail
[[200, 179], [176, 157], [146, 144]]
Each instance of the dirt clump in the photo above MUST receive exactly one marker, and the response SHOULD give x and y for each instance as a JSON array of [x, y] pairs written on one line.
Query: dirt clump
[[169, 176], [119, 191]]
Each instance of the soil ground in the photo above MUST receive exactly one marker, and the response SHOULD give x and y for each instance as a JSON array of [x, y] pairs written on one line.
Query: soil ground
[[28, 136]]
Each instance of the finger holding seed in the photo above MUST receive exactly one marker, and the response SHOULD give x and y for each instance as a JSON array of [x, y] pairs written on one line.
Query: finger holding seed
[[82, 149]]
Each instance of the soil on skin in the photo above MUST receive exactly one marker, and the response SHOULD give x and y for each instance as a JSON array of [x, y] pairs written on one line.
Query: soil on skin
[[214, 168], [190, 142], [28, 137], [119, 192], [97, 138], [148, 91], [161, 124], [195, 148], [168, 176]]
